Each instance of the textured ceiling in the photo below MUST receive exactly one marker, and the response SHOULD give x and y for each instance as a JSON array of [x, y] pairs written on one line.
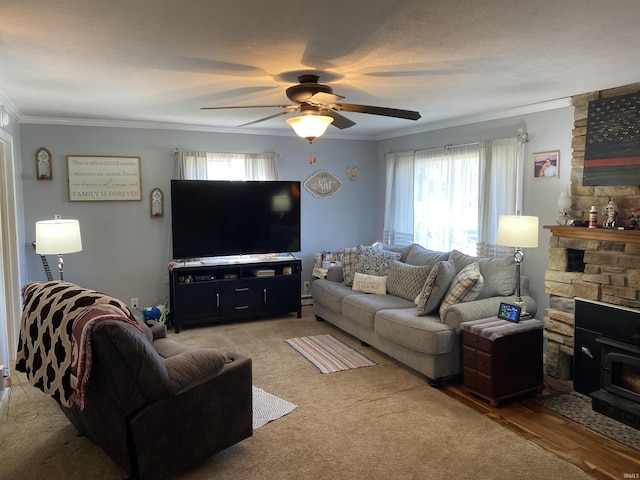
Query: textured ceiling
[[95, 62]]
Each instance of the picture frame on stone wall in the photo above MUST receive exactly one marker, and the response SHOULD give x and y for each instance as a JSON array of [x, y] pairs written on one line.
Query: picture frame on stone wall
[[546, 165]]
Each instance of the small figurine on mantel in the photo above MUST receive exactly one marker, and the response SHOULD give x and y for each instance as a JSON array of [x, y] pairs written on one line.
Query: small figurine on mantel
[[611, 210]]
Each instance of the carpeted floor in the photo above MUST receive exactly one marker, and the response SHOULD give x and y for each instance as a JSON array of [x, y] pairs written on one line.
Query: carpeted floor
[[383, 422], [577, 407]]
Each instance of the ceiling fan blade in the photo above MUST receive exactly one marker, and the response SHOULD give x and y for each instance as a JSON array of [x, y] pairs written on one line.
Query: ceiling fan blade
[[321, 99], [339, 121], [384, 111], [247, 106], [284, 112]]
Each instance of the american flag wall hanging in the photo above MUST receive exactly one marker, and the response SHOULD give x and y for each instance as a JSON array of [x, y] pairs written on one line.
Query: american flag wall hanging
[[612, 151]]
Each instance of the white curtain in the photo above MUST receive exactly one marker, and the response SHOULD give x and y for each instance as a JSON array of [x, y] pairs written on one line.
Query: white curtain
[[191, 165], [451, 197], [398, 217], [446, 198], [226, 166], [261, 166], [500, 190]]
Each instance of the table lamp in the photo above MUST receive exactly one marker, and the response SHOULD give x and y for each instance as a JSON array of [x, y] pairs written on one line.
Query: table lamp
[[57, 237], [518, 231]]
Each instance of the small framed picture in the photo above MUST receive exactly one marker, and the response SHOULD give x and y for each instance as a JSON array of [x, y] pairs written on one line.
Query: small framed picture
[[546, 164]]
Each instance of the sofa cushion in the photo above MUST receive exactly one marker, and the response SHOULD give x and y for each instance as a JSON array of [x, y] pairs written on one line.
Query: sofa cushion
[[361, 308], [348, 259], [499, 273], [422, 334], [370, 284], [465, 287], [421, 256], [371, 261], [405, 280], [435, 287], [330, 294], [404, 250]]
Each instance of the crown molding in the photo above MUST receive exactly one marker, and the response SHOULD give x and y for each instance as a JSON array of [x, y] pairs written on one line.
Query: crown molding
[[86, 122], [484, 117], [10, 108]]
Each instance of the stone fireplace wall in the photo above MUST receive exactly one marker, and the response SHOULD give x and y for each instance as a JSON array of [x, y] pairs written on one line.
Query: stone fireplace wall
[[606, 269]]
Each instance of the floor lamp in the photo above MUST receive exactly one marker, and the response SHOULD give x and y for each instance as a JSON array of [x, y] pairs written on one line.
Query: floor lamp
[[57, 237], [518, 231]]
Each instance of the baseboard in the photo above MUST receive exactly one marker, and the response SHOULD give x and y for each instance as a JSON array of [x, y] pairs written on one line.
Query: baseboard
[[306, 300]]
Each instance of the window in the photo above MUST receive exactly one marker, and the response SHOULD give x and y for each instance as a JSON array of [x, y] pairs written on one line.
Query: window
[[226, 166], [221, 166], [445, 199], [450, 198]]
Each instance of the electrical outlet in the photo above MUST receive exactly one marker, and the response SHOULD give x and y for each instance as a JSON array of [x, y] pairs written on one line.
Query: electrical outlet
[[306, 286], [134, 302]]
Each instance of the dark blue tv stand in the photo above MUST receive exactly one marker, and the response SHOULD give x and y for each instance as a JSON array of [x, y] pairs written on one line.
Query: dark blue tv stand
[[239, 288]]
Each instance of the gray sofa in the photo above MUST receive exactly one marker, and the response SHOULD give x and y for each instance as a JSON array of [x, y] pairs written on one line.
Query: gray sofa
[[421, 331]]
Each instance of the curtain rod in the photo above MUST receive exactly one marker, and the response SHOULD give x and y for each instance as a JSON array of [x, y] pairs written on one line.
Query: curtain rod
[[176, 150], [522, 137]]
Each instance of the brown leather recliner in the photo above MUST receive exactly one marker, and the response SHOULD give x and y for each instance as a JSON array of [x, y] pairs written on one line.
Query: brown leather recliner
[[156, 406]]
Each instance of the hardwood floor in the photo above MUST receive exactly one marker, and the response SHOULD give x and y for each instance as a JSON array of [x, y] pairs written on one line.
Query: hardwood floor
[[597, 455]]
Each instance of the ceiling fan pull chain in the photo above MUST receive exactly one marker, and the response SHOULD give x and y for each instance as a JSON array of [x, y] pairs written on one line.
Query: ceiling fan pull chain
[[312, 155]]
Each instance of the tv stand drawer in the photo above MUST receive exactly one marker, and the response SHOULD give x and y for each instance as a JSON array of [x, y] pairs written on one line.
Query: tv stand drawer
[[240, 299]]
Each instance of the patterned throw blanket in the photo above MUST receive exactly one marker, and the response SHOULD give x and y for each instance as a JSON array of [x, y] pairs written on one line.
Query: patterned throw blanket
[[54, 348]]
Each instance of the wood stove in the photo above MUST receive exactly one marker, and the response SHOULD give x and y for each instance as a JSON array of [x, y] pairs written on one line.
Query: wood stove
[[607, 359]]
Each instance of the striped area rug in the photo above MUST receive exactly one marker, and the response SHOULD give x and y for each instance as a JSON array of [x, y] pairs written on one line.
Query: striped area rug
[[328, 354]]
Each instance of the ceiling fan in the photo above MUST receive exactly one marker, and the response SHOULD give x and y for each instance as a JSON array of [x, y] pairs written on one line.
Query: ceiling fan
[[319, 107]]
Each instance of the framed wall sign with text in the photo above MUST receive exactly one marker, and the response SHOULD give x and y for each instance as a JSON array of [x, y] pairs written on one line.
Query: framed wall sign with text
[[97, 179]]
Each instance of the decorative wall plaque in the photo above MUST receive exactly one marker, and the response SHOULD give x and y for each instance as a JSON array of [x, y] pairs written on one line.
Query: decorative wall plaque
[[156, 203], [322, 184], [612, 151], [93, 179], [43, 164]]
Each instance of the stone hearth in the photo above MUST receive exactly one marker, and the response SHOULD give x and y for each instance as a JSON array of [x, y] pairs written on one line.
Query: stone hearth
[[595, 264]]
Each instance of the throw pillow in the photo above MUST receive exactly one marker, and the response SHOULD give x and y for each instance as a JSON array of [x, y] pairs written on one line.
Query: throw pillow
[[348, 259], [406, 281], [499, 273], [403, 249], [372, 261], [421, 256], [435, 287], [465, 287], [369, 284]]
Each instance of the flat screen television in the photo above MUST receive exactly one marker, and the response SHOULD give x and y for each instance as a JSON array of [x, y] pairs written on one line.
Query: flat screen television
[[211, 218]]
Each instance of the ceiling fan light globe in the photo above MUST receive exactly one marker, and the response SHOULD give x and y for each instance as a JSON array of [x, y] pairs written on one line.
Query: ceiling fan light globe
[[310, 126]]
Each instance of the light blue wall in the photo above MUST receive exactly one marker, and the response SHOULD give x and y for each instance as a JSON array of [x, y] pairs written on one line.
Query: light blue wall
[[550, 130], [125, 251]]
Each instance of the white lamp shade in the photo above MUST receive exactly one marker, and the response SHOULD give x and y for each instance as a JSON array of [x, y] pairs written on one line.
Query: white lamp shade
[[55, 237], [310, 126], [518, 231]]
